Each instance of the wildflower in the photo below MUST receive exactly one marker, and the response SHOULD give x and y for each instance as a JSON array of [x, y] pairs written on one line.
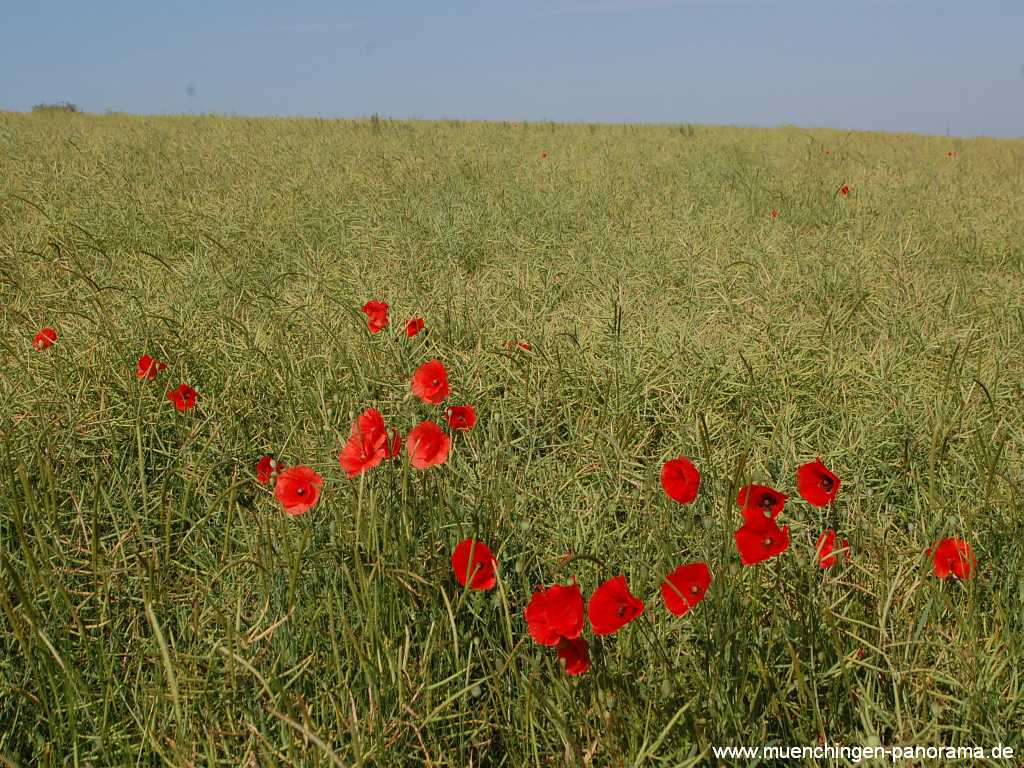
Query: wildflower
[[612, 606], [759, 539], [44, 339], [826, 546], [685, 587], [427, 445], [430, 382], [148, 368], [680, 479], [575, 655], [461, 417], [760, 500], [368, 444], [298, 489], [953, 557], [376, 315], [817, 483], [266, 468], [184, 397], [473, 562], [555, 613]]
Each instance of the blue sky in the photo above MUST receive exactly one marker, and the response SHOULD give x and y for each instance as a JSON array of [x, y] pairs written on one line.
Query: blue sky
[[899, 65]]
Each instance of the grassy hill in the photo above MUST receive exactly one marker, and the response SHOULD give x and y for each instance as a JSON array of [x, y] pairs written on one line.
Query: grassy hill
[[158, 607]]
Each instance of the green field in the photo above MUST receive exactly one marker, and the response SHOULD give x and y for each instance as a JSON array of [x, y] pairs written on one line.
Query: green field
[[158, 608]]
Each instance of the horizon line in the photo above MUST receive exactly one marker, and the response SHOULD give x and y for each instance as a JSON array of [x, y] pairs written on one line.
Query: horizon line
[[496, 121]]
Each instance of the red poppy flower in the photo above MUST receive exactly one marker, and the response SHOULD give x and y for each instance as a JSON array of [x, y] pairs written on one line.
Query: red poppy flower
[[760, 501], [184, 397], [828, 151], [473, 562], [775, 213], [951, 154], [427, 445], [826, 546], [359, 455], [543, 155], [367, 444], [44, 339], [575, 654], [816, 483], [680, 479], [613, 606], [761, 538], [148, 368], [555, 613], [413, 326], [430, 382], [298, 489], [461, 417], [953, 557], [512, 345], [685, 587], [376, 315], [266, 468], [844, 190]]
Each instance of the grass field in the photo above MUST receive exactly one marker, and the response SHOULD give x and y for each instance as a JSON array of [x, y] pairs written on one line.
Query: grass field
[[158, 608]]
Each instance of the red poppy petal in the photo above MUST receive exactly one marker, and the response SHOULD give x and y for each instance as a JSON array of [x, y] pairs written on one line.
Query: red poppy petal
[[612, 606], [575, 655], [680, 480]]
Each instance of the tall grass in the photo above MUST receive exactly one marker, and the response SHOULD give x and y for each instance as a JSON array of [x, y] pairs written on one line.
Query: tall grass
[[157, 607]]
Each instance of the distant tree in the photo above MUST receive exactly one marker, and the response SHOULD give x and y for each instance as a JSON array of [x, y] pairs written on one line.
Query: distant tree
[[60, 106]]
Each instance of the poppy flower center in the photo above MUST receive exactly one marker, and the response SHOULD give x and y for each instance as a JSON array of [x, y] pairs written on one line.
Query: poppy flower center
[[694, 589], [621, 611], [767, 502], [435, 383], [826, 483], [767, 542], [300, 491]]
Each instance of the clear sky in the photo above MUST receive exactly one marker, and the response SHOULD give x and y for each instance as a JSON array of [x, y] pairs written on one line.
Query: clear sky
[[933, 66]]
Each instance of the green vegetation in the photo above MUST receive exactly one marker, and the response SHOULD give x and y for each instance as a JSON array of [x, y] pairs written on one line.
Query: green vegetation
[[156, 606], [59, 106]]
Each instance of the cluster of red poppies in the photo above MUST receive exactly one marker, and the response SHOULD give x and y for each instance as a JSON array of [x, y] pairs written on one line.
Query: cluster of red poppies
[[555, 614], [370, 442], [183, 396]]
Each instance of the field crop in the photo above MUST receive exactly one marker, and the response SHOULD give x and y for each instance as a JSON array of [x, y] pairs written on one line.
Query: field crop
[[607, 298]]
